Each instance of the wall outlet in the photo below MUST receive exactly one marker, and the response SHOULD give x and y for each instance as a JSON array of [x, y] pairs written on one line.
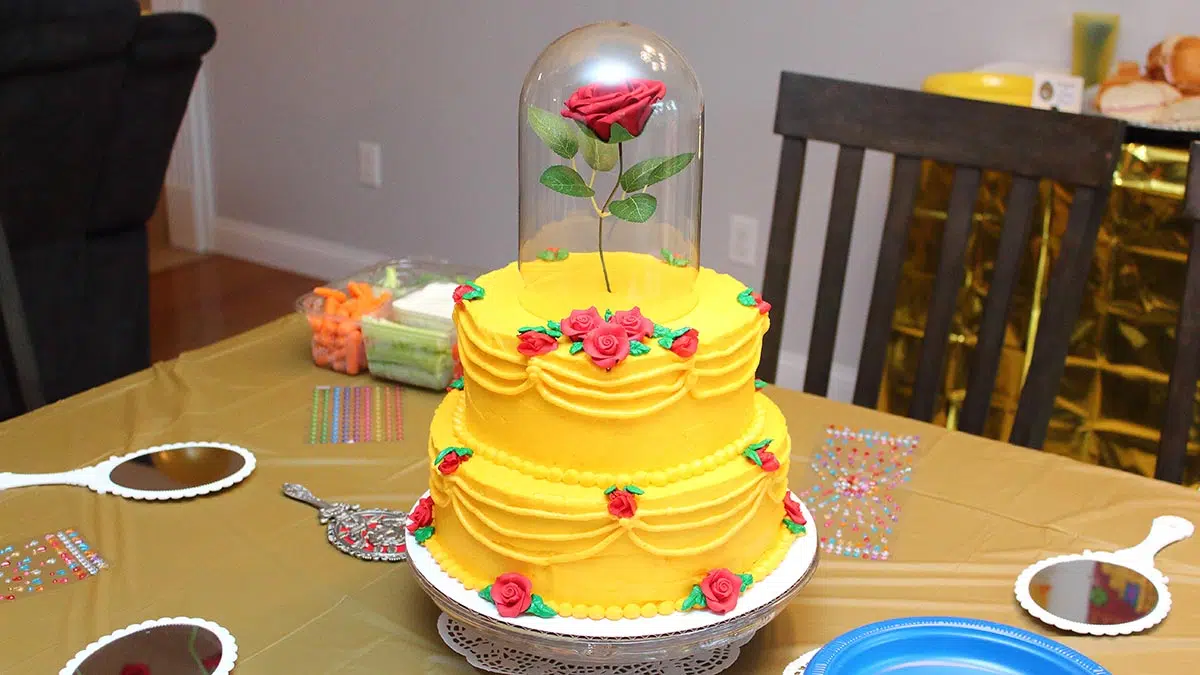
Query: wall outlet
[[743, 240], [370, 164]]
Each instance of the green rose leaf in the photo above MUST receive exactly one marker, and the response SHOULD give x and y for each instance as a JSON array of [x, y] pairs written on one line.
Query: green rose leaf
[[637, 176], [457, 384], [423, 534], [608, 314], [442, 455], [565, 180], [634, 490], [464, 452], [679, 332], [538, 607], [486, 594], [695, 599], [576, 347], [611, 489], [793, 526], [751, 455], [747, 579], [761, 444], [618, 134], [669, 167], [532, 329], [636, 208], [546, 255], [599, 155], [555, 131], [637, 348], [562, 254], [746, 298], [759, 384], [554, 325], [666, 342], [661, 331]]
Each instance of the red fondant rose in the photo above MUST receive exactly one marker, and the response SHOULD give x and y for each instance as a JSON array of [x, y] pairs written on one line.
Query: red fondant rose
[[792, 508], [685, 345], [423, 514], [460, 291], [607, 344], [622, 504], [599, 106], [534, 343], [762, 305], [450, 462], [769, 461], [636, 326], [512, 594], [721, 589], [580, 323]]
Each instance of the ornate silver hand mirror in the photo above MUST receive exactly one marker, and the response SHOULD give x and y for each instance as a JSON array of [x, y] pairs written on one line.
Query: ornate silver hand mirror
[[1099, 593], [178, 646], [367, 534], [173, 471]]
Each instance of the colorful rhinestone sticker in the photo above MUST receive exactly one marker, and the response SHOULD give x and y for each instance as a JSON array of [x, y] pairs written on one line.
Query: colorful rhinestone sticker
[[57, 558], [356, 414], [853, 502]]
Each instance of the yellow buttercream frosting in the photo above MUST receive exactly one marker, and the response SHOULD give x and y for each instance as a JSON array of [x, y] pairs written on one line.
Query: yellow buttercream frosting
[[549, 434]]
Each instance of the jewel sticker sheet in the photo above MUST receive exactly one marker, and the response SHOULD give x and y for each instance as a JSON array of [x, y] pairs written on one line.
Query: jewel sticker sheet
[[356, 414], [853, 500], [54, 559]]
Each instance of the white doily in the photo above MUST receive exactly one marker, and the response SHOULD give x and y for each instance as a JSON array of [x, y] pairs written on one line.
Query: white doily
[[495, 658]]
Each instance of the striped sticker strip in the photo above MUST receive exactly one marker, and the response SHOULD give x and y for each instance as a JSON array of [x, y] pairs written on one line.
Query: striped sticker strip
[[356, 414]]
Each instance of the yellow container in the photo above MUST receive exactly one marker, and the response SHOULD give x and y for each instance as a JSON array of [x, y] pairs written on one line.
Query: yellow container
[[994, 87]]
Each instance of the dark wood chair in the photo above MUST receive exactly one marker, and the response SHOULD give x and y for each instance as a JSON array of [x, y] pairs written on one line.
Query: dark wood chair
[[16, 331], [1030, 144], [1181, 392]]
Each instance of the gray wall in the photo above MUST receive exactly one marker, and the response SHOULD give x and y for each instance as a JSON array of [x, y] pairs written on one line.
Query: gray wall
[[297, 83]]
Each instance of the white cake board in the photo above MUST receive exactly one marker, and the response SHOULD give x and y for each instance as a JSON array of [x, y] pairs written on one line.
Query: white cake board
[[624, 640]]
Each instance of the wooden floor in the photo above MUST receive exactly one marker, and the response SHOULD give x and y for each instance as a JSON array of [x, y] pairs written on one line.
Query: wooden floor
[[213, 297]]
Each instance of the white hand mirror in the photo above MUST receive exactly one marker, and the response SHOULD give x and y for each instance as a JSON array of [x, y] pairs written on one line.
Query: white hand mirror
[[1099, 593], [178, 646], [174, 471]]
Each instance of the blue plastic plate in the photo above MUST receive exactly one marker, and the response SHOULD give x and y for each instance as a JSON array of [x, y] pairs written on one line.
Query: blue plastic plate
[[938, 645]]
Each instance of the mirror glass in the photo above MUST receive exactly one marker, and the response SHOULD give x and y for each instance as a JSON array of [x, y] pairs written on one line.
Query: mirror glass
[[1093, 592], [178, 649], [177, 469]]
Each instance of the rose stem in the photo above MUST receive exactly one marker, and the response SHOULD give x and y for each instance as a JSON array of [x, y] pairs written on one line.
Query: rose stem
[[600, 225]]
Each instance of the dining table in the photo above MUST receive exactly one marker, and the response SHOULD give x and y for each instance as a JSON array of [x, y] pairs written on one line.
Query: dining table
[[974, 514]]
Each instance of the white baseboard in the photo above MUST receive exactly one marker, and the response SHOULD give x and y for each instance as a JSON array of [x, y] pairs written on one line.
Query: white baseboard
[[289, 251], [792, 366]]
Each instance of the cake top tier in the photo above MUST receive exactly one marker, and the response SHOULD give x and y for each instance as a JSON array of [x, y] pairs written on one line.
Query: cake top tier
[[611, 159]]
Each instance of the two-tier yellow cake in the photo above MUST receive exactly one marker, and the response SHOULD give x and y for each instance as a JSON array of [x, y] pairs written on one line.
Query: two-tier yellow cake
[[606, 453]]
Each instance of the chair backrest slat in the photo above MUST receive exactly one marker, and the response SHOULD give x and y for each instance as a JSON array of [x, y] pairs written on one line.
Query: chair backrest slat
[[985, 362], [951, 262], [906, 176], [780, 246], [1181, 391], [833, 268]]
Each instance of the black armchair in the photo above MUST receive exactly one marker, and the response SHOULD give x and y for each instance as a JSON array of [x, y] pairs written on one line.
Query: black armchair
[[91, 98]]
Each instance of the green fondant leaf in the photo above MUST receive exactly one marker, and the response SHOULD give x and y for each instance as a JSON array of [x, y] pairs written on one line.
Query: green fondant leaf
[[666, 254], [637, 348], [761, 444], [751, 455], [746, 298], [695, 599], [555, 131], [608, 314], [679, 332], [562, 254], [442, 455], [546, 255], [747, 579], [554, 326], [634, 490], [759, 384], [793, 527], [599, 155], [637, 176], [457, 384], [423, 534], [617, 134], [661, 331], [486, 594], [576, 347], [636, 208], [670, 167], [611, 489], [666, 342], [565, 180], [538, 607], [532, 329], [473, 295], [464, 452]]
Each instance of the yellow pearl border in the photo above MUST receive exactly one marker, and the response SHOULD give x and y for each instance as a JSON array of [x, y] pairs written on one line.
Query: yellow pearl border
[[659, 478], [765, 565]]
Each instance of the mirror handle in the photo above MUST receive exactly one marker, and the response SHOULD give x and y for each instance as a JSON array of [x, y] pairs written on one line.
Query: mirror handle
[[77, 477], [1164, 531]]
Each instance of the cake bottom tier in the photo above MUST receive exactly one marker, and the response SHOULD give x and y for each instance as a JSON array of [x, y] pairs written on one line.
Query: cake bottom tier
[[622, 551]]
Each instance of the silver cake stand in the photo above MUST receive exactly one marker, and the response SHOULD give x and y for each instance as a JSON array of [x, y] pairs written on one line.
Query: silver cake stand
[[625, 641]]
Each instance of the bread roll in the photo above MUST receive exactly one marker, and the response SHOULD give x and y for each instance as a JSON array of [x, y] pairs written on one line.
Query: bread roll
[[1185, 111]]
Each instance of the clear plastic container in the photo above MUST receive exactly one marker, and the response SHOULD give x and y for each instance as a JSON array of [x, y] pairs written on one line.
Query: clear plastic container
[[398, 341]]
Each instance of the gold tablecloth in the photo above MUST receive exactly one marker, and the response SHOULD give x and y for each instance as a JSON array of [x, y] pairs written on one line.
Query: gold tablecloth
[[976, 512]]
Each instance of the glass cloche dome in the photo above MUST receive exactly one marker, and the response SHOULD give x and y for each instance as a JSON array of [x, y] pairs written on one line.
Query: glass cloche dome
[[611, 162]]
